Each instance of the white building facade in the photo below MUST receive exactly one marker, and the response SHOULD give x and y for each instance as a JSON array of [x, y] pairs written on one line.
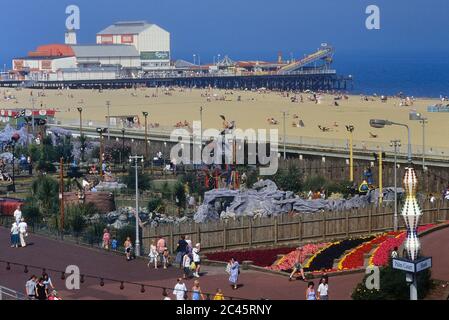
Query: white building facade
[[151, 42]]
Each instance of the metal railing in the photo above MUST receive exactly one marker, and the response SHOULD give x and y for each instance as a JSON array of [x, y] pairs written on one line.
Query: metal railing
[[9, 294]]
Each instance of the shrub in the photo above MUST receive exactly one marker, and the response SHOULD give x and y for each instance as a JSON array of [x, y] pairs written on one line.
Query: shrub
[[154, 204], [289, 179], [393, 286]]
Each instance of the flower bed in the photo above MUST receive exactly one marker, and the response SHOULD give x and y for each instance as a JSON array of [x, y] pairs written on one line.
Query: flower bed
[[324, 259], [260, 257], [286, 263], [356, 258], [381, 255]]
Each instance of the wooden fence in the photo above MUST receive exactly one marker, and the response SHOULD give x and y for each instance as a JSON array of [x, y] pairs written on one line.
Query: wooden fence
[[290, 229]]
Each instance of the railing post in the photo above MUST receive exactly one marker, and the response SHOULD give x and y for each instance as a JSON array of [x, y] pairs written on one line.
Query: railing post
[[224, 236], [347, 224], [172, 240], [300, 228], [370, 214], [275, 230], [250, 231], [324, 225], [198, 233]]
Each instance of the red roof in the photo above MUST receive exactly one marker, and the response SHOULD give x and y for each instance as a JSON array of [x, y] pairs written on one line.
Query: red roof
[[53, 50]]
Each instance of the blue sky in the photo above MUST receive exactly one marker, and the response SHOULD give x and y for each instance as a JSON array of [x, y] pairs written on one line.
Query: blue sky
[[244, 29]]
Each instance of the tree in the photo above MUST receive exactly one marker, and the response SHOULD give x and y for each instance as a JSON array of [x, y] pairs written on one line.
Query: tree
[[165, 190], [31, 211], [45, 192], [315, 183], [130, 180], [289, 179], [154, 204], [180, 195]]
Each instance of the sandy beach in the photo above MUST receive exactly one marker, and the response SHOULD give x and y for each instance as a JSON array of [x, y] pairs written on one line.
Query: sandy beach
[[252, 111]]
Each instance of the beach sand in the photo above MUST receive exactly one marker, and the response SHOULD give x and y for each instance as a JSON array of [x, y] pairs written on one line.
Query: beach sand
[[251, 112]]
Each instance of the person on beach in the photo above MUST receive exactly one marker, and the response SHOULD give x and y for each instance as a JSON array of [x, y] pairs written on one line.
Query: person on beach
[[128, 247], [234, 272], [180, 290], [196, 291], [298, 266], [323, 289], [310, 292]]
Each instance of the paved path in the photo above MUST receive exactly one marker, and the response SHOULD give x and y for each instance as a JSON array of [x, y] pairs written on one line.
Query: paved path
[[57, 255], [436, 245]]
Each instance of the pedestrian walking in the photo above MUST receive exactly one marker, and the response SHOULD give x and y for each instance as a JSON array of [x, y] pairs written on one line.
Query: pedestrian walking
[[30, 287], [196, 291], [14, 235], [47, 281], [310, 292], [22, 232], [298, 266], [323, 289], [181, 250], [41, 290], [106, 239], [196, 260], [128, 247], [234, 272], [152, 255], [18, 214], [218, 295], [186, 262], [180, 290], [161, 248]]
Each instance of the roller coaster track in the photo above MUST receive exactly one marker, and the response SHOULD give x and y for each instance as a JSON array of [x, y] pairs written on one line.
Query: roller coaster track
[[324, 53]]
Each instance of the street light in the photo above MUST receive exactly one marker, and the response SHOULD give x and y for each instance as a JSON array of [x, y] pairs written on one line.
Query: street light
[[145, 114], [284, 113], [416, 116], [123, 148], [396, 144], [136, 159], [101, 131], [378, 124], [80, 110], [350, 128], [108, 104], [201, 134]]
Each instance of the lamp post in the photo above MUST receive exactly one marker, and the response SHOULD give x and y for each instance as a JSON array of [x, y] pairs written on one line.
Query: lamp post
[[123, 149], [411, 213], [80, 110], [396, 144], [284, 114], [145, 114], [32, 114], [108, 105], [136, 162], [101, 131], [13, 145], [350, 128], [415, 116], [378, 124], [201, 134]]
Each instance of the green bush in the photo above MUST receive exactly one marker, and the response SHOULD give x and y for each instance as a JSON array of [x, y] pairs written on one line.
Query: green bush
[[289, 179], [154, 204], [94, 233], [144, 182], [393, 286], [31, 211]]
